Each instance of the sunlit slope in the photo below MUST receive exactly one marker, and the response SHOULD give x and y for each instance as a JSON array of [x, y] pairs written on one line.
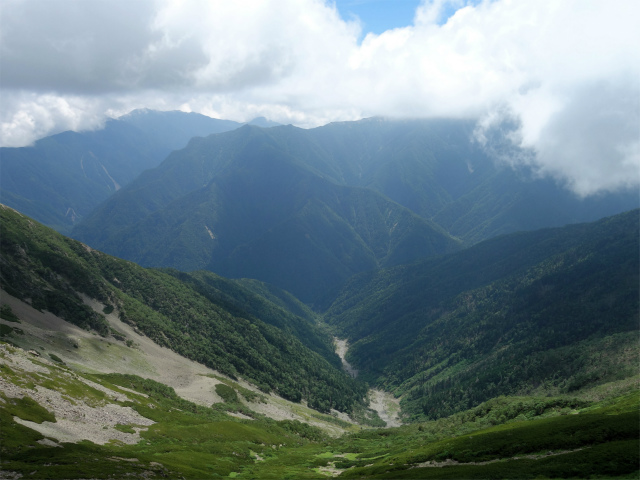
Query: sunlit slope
[[59, 422], [62, 423]]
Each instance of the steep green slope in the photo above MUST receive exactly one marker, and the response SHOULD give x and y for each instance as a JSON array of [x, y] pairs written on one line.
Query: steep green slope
[[280, 297], [52, 271], [511, 201], [236, 298], [498, 440], [62, 178], [262, 214], [553, 310]]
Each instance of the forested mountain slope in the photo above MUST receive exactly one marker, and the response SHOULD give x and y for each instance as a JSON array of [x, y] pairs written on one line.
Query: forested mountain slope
[[62, 178], [266, 302], [61, 419], [436, 168], [552, 310], [242, 206], [302, 209], [195, 317]]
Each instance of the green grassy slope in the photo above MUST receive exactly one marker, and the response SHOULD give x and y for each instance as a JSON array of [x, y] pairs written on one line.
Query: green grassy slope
[[184, 440], [575, 442]]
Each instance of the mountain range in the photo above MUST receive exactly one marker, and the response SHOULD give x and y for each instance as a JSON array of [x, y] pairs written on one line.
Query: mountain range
[[259, 301], [62, 178], [306, 209]]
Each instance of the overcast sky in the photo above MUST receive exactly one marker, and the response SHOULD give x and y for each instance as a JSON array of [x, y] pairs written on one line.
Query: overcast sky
[[566, 73]]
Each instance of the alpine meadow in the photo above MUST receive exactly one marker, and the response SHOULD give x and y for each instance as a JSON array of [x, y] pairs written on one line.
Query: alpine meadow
[[290, 239]]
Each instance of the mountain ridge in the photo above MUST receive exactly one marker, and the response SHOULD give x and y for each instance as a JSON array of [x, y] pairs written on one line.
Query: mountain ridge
[[231, 196], [259, 206], [63, 177]]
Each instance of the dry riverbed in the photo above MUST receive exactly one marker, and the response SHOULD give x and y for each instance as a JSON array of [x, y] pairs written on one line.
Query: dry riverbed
[[387, 406]]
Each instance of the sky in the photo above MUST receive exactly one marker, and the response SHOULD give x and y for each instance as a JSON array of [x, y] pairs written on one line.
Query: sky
[[378, 16], [559, 79]]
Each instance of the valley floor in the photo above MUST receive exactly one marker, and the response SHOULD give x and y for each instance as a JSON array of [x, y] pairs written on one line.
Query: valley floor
[[387, 406]]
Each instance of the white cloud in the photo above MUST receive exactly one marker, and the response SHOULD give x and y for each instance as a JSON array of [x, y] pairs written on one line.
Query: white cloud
[[568, 71], [27, 116], [595, 131]]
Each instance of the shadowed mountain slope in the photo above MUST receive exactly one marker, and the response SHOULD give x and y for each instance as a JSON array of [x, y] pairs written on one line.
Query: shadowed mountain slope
[[62, 178], [306, 209], [436, 168], [241, 205]]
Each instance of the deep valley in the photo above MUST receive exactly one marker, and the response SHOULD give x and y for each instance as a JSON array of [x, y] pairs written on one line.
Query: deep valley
[[371, 299]]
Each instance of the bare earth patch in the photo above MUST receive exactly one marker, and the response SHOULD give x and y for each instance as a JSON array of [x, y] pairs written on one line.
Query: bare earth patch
[[449, 462], [341, 349], [387, 406]]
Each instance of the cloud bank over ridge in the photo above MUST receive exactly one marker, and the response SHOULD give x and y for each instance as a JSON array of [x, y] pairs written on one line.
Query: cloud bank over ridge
[[568, 72]]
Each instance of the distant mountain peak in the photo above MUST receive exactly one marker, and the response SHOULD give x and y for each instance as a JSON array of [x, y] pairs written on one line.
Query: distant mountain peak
[[137, 113], [263, 122]]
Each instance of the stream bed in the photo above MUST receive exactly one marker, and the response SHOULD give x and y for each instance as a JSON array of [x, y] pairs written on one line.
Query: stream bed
[[387, 406]]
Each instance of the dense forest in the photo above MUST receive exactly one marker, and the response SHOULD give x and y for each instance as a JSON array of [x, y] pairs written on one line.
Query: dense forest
[[548, 311]]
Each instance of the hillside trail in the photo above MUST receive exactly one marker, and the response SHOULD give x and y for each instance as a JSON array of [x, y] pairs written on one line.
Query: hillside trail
[[387, 406]]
